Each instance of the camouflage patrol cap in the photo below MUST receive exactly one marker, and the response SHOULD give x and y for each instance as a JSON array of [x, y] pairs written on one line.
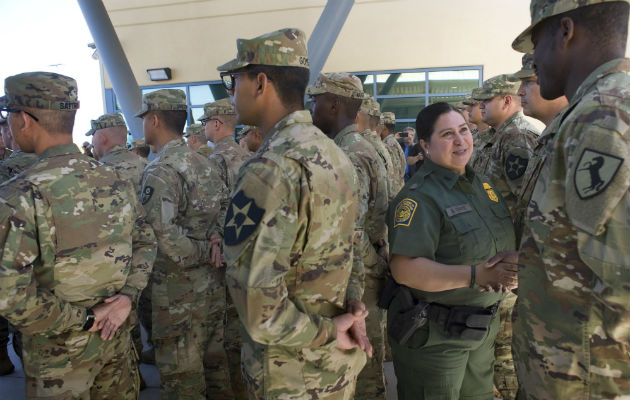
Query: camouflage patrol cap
[[219, 107], [43, 90], [370, 107], [388, 118], [163, 100], [105, 121], [495, 86], [243, 131], [139, 143], [281, 48], [194, 130], [468, 100], [339, 83], [527, 70], [543, 9]]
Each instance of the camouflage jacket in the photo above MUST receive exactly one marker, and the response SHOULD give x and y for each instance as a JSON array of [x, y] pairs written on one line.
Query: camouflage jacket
[[504, 156], [6, 154], [73, 233], [127, 163], [386, 159], [16, 163], [288, 247], [573, 330], [399, 163], [227, 158], [205, 150], [480, 139]]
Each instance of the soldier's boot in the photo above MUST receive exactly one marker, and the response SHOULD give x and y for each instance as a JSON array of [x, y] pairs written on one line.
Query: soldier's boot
[[148, 356], [6, 366]]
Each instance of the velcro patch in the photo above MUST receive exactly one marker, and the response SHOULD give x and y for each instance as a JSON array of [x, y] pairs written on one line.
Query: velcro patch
[[491, 194], [404, 212], [241, 219], [515, 166], [459, 209], [594, 172], [147, 192]]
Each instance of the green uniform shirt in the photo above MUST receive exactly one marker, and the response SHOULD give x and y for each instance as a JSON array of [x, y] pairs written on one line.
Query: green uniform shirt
[[452, 219]]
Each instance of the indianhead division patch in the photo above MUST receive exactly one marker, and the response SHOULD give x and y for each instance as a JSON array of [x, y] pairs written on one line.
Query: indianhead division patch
[[515, 166], [491, 193], [241, 219], [404, 212], [594, 172], [147, 192]]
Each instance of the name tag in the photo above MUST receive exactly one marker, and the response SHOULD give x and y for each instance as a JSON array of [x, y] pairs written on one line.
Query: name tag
[[462, 208]]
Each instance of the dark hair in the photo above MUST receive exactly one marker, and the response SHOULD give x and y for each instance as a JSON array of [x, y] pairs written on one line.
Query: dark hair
[[290, 82], [374, 121], [390, 127], [144, 151], [606, 23], [351, 105], [425, 121], [54, 121], [173, 120]]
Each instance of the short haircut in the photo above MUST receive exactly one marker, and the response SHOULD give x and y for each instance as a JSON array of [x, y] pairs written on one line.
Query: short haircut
[[54, 121], [409, 128], [229, 120], [350, 105], [173, 120], [374, 121], [390, 127], [290, 82], [425, 121], [144, 151]]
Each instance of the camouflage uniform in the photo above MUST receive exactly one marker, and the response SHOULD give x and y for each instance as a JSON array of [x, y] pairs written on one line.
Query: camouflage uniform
[[18, 161], [572, 331], [182, 196], [292, 209], [197, 130], [139, 144], [73, 234], [396, 154]]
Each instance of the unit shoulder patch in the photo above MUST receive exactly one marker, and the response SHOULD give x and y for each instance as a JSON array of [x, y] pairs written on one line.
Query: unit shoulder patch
[[515, 166], [594, 172], [241, 219], [404, 212], [147, 192]]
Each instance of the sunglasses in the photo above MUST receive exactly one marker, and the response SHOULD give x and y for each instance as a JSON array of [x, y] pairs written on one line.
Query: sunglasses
[[229, 78], [4, 113], [205, 121]]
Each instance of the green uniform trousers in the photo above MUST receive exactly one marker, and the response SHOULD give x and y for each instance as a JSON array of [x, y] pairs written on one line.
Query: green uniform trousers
[[432, 365]]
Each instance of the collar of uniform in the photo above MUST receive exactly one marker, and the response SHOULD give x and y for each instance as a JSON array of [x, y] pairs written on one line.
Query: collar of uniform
[[296, 117], [518, 114], [60, 150], [368, 132], [348, 130], [116, 149], [173, 143], [610, 67], [15, 153], [447, 176], [226, 141]]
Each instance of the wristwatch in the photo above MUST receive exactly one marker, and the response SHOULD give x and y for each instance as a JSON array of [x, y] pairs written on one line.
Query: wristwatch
[[89, 320]]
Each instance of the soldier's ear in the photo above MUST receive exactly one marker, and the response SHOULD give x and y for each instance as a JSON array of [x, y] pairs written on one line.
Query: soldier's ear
[[566, 31]]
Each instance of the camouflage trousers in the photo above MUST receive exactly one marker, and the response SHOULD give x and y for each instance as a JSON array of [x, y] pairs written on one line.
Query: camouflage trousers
[[504, 374], [79, 365], [143, 313], [192, 361], [371, 381], [233, 343]]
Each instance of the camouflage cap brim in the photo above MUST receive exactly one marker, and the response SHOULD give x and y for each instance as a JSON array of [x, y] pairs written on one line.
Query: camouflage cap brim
[[90, 132], [523, 42], [142, 111], [232, 65], [522, 74], [4, 101], [483, 96]]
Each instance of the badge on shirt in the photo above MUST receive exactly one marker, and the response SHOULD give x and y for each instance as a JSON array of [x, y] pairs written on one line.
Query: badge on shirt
[[594, 172], [491, 194], [242, 218], [515, 166], [147, 192], [404, 212]]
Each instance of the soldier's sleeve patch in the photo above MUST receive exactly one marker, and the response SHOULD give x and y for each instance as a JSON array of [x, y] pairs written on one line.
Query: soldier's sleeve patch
[[147, 192], [404, 212], [241, 219], [594, 172], [491, 193], [515, 166]]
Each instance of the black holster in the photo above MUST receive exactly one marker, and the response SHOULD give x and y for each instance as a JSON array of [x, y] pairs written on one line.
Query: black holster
[[406, 323]]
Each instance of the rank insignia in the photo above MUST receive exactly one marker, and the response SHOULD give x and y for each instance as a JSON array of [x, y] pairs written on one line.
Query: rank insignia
[[594, 172], [147, 192], [515, 166], [241, 219], [491, 194], [404, 212]]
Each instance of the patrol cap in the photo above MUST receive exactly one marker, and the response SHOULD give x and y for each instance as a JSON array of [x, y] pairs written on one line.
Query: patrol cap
[[43, 90], [194, 130], [219, 107], [388, 118], [527, 70], [138, 143], [468, 100], [163, 100], [370, 107], [495, 86], [106, 121], [339, 83], [281, 48], [243, 131], [543, 9]]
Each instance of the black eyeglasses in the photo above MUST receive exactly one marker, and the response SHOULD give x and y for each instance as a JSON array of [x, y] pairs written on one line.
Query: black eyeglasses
[[228, 78], [205, 121], [4, 113]]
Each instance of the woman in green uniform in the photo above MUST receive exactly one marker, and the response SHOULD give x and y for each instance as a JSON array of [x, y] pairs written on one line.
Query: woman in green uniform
[[451, 241]]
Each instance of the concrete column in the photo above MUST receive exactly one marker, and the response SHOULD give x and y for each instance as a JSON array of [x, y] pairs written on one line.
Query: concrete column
[[113, 58], [325, 34]]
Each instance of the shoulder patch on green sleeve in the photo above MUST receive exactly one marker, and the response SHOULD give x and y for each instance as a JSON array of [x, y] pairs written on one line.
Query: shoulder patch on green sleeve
[[594, 172], [404, 212], [241, 219], [147, 192]]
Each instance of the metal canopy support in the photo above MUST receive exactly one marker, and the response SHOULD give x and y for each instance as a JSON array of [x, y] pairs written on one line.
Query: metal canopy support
[[325, 34], [113, 57]]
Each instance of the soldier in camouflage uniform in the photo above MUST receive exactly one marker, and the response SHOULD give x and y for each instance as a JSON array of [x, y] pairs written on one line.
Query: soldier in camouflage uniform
[[289, 234], [330, 93], [252, 137], [76, 251], [196, 139], [219, 121], [182, 195], [572, 325], [5, 151], [481, 132], [395, 151], [17, 162], [140, 148]]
